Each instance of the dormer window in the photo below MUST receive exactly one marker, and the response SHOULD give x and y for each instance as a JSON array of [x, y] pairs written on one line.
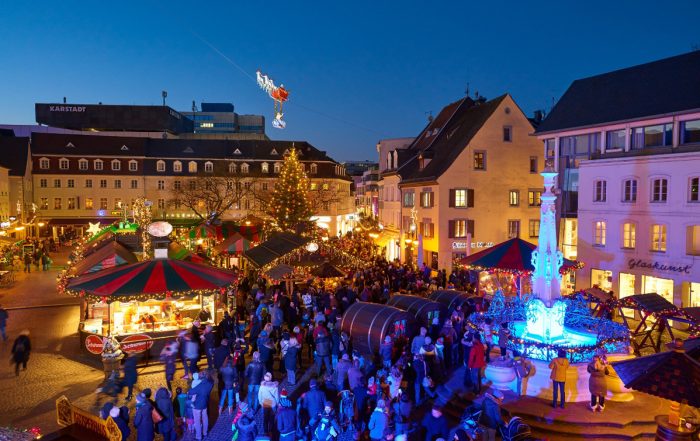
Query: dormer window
[[44, 163], [177, 167], [314, 169], [99, 164], [83, 164], [133, 165], [116, 165], [63, 164], [232, 167], [160, 165], [245, 168], [277, 167], [236, 152], [209, 167], [265, 167], [192, 167], [421, 162], [274, 152]]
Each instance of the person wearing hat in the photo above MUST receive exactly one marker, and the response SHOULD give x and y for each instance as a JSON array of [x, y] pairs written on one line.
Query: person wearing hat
[[522, 367], [246, 425], [201, 393], [310, 404], [326, 425], [268, 396], [115, 413], [434, 424], [21, 348], [164, 404], [143, 420], [378, 422], [254, 373], [286, 419], [491, 414]]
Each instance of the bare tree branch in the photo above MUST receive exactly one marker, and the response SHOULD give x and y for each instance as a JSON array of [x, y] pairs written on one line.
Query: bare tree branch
[[209, 197]]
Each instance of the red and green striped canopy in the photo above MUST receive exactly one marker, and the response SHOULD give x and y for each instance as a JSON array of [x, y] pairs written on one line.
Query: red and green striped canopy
[[235, 244], [513, 255], [151, 279]]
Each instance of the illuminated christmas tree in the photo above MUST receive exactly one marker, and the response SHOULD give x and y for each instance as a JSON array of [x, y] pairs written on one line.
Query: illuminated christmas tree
[[290, 205]]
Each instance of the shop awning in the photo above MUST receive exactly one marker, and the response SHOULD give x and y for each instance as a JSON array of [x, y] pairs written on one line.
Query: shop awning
[[513, 255], [81, 220], [223, 231], [109, 255], [234, 245], [151, 279], [274, 248]]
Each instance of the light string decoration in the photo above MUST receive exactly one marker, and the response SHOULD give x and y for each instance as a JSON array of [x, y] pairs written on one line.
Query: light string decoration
[[290, 205]]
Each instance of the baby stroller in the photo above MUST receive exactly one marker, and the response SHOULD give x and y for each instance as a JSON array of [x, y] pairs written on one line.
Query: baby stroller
[[470, 422], [516, 430]]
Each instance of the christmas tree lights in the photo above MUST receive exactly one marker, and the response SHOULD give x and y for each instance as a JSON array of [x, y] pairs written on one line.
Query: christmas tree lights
[[290, 204]]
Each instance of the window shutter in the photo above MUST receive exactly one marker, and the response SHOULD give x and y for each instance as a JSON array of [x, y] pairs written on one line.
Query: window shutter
[[470, 198], [421, 230], [431, 199], [432, 229], [470, 228], [451, 228], [452, 199]]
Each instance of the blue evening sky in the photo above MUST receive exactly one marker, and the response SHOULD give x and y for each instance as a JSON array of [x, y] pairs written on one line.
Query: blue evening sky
[[358, 71]]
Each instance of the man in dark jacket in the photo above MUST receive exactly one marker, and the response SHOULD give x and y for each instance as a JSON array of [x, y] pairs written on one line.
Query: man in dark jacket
[[341, 371], [164, 403], [311, 402], [322, 341], [20, 351], [200, 394], [290, 361], [246, 424], [435, 425], [130, 375], [491, 414], [420, 370], [121, 423], [229, 377], [254, 374], [267, 351], [286, 420], [385, 351], [143, 420], [355, 375]]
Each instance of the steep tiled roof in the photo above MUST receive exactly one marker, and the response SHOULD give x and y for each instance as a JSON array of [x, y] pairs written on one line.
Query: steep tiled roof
[[458, 123], [656, 88]]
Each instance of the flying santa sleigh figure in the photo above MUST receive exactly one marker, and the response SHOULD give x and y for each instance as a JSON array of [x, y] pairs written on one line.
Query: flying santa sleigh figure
[[279, 96]]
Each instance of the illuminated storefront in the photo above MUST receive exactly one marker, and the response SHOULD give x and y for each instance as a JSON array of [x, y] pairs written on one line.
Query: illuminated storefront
[[602, 279], [627, 284], [662, 287]]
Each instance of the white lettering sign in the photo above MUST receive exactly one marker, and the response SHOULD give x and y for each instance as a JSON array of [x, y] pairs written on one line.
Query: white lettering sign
[[67, 108]]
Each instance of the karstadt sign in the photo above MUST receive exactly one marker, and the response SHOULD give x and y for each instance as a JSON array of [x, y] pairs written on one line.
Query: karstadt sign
[[67, 108]]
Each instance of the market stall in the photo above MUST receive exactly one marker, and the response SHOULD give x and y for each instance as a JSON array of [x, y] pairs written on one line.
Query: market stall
[[144, 303], [108, 255], [449, 298], [423, 309], [368, 324]]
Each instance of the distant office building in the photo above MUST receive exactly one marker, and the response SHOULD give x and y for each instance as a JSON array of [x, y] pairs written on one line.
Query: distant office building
[[356, 168], [220, 118]]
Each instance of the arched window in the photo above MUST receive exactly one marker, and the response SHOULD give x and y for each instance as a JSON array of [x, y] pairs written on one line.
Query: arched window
[[314, 169], [63, 164], [192, 167], [44, 163], [265, 167], [177, 166], [209, 167], [232, 167], [116, 165], [133, 165], [160, 165], [245, 168], [277, 167], [83, 164], [99, 164]]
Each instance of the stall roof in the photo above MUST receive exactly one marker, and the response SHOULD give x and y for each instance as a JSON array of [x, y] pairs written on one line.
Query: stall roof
[[652, 302], [108, 255], [274, 248]]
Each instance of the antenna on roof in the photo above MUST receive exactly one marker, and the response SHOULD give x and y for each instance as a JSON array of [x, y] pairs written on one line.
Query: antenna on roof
[[64, 100], [430, 115], [164, 94], [194, 106], [466, 91]]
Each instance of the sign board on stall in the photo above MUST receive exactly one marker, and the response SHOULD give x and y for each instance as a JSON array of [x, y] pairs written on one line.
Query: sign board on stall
[[135, 344], [94, 344], [68, 414]]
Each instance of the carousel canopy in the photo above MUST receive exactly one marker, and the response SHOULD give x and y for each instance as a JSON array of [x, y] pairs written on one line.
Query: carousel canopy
[[674, 375], [109, 255], [327, 271], [274, 248], [513, 255], [149, 279], [235, 244]]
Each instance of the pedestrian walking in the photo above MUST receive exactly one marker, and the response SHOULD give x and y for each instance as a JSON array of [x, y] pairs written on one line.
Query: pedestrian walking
[[378, 422], [21, 349], [435, 424], [168, 356], [3, 322], [246, 426], [27, 263], [254, 373], [268, 397], [143, 420], [597, 384], [290, 360], [558, 366], [476, 363], [199, 394], [130, 375], [123, 424], [286, 419], [229, 377]]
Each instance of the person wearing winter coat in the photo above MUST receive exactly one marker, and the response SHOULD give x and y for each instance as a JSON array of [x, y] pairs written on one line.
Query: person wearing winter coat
[[168, 356], [322, 342], [385, 351], [503, 336], [491, 414], [267, 350], [341, 371], [355, 375], [254, 373], [418, 341], [121, 423], [378, 422], [246, 425], [164, 403], [326, 424], [311, 402], [435, 425], [476, 363], [290, 360], [200, 402], [487, 330], [209, 345], [597, 383], [268, 397], [229, 376], [523, 368], [143, 419], [21, 348], [558, 366], [130, 375], [286, 420]]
